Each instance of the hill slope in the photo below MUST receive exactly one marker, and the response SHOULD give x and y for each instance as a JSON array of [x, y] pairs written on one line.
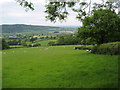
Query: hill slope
[[17, 28]]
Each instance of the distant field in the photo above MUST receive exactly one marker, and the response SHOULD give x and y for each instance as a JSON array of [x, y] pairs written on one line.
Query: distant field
[[45, 42], [58, 67]]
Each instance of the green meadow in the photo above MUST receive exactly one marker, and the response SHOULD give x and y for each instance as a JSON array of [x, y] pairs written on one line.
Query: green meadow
[[45, 42], [0, 69], [58, 67]]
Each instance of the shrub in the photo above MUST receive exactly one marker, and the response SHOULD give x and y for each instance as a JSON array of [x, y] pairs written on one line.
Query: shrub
[[51, 43], [36, 45], [84, 47], [14, 42], [31, 45], [108, 48], [67, 40], [4, 44]]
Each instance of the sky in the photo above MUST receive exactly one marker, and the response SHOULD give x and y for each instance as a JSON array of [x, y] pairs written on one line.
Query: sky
[[13, 13]]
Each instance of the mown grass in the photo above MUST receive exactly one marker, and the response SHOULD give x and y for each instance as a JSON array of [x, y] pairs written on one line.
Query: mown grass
[[58, 67]]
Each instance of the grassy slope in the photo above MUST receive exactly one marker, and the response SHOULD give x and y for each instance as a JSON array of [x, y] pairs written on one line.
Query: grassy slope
[[45, 42], [58, 67]]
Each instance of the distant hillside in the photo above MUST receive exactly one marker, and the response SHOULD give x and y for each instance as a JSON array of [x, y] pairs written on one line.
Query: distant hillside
[[17, 28]]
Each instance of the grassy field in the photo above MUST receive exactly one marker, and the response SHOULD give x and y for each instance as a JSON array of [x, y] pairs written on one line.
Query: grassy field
[[0, 69], [58, 67], [45, 42]]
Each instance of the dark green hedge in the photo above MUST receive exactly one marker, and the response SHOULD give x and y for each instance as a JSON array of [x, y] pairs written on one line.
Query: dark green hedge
[[84, 47], [108, 48], [32, 45]]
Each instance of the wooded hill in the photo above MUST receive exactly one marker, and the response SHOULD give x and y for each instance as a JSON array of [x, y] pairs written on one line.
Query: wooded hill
[[17, 28]]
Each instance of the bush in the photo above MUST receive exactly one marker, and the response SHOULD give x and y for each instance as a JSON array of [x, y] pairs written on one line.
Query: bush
[[4, 44], [14, 42], [108, 48], [84, 47], [67, 40], [36, 45], [51, 43], [31, 45]]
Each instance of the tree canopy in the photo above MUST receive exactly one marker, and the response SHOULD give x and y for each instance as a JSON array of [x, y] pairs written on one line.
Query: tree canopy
[[4, 44], [101, 27]]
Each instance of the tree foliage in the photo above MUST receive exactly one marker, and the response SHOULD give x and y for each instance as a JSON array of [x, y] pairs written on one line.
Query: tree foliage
[[33, 39], [101, 27], [58, 10], [4, 44], [27, 5], [67, 40]]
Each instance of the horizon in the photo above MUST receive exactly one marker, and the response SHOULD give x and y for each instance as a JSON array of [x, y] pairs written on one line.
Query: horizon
[[45, 25]]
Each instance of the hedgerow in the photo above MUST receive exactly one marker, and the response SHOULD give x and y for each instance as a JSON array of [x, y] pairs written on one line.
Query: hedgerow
[[107, 48]]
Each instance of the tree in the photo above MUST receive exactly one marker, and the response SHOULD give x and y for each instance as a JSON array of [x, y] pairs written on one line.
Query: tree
[[67, 40], [4, 44], [51, 43], [101, 27], [33, 39], [61, 40]]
